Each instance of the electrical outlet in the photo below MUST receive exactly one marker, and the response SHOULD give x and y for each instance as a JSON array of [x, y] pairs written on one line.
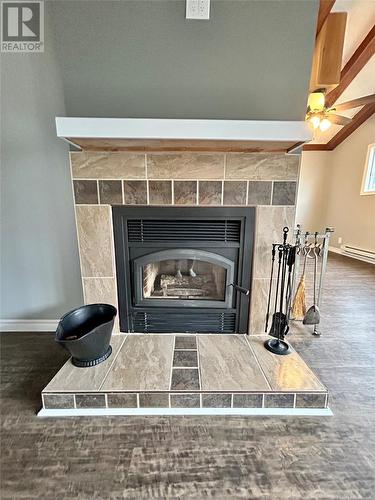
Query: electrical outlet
[[339, 240], [197, 9]]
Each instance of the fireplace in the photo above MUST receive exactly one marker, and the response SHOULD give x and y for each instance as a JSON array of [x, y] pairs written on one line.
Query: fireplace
[[183, 269]]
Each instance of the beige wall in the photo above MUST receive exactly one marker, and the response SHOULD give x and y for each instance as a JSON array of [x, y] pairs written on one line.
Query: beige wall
[[329, 191], [312, 199]]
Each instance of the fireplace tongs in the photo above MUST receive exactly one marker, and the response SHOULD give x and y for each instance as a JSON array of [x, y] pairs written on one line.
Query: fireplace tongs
[[240, 289]]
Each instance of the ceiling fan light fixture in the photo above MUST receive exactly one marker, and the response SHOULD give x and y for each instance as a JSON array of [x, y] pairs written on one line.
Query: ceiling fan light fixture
[[324, 124], [314, 120], [316, 101]]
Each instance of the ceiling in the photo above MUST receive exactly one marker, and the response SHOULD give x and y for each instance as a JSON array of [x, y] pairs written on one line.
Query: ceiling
[[143, 59]]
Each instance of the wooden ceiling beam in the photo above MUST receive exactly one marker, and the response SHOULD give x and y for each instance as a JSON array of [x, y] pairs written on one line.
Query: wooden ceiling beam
[[364, 114], [315, 147], [325, 7], [355, 64]]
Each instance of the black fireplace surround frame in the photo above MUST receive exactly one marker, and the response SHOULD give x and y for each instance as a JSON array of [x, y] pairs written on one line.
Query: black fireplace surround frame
[[224, 232]]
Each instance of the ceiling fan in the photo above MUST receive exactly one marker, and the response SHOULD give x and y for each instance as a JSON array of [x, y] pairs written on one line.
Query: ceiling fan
[[322, 116]]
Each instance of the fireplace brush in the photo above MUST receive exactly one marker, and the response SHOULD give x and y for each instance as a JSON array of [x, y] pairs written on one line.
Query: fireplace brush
[[283, 293]]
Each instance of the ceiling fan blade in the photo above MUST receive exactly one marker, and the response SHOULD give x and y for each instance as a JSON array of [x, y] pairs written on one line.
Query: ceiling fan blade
[[355, 103], [338, 119]]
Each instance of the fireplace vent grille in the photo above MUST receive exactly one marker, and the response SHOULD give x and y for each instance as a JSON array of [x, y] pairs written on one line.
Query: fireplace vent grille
[[191, 322], [143, 230]]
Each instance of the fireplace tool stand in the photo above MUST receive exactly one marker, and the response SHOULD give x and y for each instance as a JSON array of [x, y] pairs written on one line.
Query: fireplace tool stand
[[307, 243], [283, 293]]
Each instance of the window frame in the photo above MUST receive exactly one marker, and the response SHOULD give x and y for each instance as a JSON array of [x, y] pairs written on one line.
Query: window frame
[[367, 171]]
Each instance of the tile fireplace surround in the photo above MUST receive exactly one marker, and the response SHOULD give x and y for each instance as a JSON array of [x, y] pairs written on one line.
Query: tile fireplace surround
[[101, 179]]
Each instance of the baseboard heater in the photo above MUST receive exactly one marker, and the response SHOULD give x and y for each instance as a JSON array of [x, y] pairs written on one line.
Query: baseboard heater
[[360, 253]]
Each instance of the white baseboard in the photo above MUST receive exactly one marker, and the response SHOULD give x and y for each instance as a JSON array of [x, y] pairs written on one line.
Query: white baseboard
[[335, 250], [340, 251], [28, 325], [97, 412]]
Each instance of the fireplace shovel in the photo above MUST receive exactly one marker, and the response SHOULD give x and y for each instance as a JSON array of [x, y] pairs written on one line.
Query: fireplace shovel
[[312, 317]]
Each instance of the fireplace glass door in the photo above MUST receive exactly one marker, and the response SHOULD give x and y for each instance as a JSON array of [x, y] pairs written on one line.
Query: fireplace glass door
[[188, 277]]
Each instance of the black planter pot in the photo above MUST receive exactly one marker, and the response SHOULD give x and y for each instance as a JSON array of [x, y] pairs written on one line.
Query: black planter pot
[[86, 333]]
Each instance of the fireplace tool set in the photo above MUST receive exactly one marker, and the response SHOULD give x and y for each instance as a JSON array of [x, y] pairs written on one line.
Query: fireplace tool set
[[285, 255], [287, 259], [314, 247]]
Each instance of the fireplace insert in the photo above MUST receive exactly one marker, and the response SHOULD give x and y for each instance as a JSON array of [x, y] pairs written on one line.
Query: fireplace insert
[[182, 269]]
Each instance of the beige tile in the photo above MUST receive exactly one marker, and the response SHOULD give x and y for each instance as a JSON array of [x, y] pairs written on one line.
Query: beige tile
[[101, 290], [71, 378], [185, 192], [90, 401], [85, 192], [110, 192], [144, 364], [284, 193], [258, 309], [185, 401], [259, 193], [160, 192], [95, 240], [269, 227], [210, 192], [283, 400], [122, 400], [135, 192], [228, 364], [185, 166], [293, 162], [101, 165], [261, 166], [58, 401], [234, 193], [154, 400], [311, 401], [285, 373]]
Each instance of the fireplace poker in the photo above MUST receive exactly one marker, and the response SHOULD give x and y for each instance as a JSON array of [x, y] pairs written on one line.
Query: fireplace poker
[[270, 287], [281, 319], [288, 295], [280, 249]]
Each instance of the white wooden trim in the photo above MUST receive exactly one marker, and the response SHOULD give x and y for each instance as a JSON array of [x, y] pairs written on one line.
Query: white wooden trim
[[335, 250], [366, 170], [150, 128], [93, 412], [28, 325]]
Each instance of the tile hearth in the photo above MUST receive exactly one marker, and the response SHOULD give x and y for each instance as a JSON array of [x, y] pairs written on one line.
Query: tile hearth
[[179, 374]]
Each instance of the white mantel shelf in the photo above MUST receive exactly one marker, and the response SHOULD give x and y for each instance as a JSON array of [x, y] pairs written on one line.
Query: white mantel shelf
[[222, 130], [169, 134]]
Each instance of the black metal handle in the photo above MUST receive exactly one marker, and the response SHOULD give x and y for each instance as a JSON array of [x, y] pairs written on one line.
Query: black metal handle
[[240, 289]]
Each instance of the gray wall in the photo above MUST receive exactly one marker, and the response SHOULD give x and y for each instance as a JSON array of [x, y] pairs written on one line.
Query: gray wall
[[143, 59], [40, 276]]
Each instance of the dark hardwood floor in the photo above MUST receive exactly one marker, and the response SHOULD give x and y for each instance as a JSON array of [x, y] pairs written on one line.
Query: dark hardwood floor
[[198, 457]]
